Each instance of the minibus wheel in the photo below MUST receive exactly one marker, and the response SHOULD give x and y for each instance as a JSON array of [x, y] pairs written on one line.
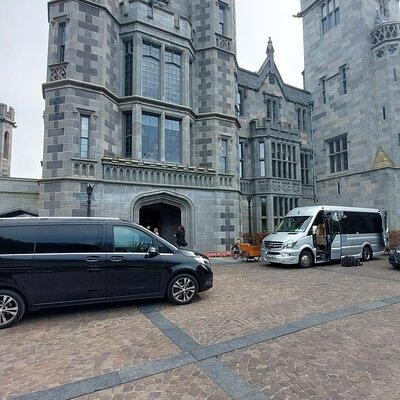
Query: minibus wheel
[[367, 254], [306, 259]]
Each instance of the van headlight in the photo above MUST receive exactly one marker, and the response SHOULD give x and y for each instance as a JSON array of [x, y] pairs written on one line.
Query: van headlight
[[290, 245], [203, 262]]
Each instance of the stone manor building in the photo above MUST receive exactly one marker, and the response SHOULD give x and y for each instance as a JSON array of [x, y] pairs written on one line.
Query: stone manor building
[[145, 99]]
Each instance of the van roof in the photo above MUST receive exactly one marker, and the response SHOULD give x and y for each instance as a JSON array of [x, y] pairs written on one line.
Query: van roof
[[39, 220], [315, 209]]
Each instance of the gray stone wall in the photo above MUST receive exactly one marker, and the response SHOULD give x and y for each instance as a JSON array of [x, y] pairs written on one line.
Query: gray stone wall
[[18, 194], [7, 124]]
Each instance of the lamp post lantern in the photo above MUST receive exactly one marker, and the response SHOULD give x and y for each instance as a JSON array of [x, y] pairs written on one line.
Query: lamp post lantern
[[89, 192]]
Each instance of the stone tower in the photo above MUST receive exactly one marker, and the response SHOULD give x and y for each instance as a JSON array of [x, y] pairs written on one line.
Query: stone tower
[[7, 124], [352, 70]]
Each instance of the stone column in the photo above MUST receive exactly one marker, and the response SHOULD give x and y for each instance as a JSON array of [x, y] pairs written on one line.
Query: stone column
[[137, 64], [136, 132], [270, 213], [162, 137], [185, 89], [186, 148]]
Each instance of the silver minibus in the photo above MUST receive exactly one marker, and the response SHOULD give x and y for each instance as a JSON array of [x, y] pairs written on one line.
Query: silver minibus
[[314, 235]]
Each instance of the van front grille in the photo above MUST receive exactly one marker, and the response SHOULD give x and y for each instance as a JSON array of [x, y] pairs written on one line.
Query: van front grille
[[273, 245]]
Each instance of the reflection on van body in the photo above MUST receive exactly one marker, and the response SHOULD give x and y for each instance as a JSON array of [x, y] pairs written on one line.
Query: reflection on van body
[[313, 235]]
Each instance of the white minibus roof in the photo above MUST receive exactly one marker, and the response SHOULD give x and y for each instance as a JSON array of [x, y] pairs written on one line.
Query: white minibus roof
[[313, 210]]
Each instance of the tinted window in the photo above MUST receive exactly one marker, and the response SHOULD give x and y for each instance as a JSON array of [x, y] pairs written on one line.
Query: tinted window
[[131, 240], [69, 239], [356, 222], [17, 240], [164, 249]]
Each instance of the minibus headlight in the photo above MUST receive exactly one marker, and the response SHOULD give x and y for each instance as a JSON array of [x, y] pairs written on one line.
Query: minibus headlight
[[203, 262], [289, 245]]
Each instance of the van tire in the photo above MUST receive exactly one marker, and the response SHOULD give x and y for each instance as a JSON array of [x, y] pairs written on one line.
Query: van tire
[[17, 302], [187, 281], [367, 254], [306, 259]]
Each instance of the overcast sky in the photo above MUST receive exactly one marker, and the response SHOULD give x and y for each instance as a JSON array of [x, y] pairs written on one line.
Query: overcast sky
[[23, 47]]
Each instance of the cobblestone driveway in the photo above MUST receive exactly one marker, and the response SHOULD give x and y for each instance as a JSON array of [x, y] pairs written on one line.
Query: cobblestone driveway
[[262, 332]]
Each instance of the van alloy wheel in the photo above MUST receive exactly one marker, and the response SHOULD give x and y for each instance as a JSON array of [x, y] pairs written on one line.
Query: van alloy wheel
[[184, 290], [8, 309], [306, 259], [367, 254]]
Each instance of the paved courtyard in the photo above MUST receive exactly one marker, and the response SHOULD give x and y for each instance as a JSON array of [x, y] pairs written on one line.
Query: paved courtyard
[[263, 332]]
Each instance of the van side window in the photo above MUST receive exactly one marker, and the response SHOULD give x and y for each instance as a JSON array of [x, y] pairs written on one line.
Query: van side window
[[17, 239], [131, 240], [70, 239], [164, 249], [356, 222]]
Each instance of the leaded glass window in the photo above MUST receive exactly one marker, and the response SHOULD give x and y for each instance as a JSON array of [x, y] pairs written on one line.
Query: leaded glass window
[[241, 159], [173, 141], [128, 60], [173, 76], [282, 206], [6, 146], [151, 71], [330, 15], [305, 168], [128, 135], [61, 41], [150, 137], [338, 154], [84, 142], [261, 156], [284, 160], [223, 162], [343, 76], [384, 8], [222, 19], [264, 220]]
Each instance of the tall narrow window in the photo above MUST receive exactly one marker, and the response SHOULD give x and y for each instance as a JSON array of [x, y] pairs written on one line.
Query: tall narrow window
[[223, 164], [173, 146], [264, 227], [269, 109], [128, 67], [284, 161], [304, 113], [299, 118], [61, 41], [150, 137], [323, 90], [305, 169], [343, 75], [128, 135], [151, 71], [85, 128], [394, 75], [238, 103], [282, 205], [150, 9], [6, 146], [173, 77], [261, 153], [330, 15], [274, 110], [191, 83], [384, 113], [338, 155], [222, 19], [241, 159]]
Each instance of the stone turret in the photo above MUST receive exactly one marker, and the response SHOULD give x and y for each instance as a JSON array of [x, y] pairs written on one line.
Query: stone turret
[[7, 124]]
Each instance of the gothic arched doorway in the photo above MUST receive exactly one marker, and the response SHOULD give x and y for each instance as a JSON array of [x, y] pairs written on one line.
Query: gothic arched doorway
[[164, 217], [165, 211]]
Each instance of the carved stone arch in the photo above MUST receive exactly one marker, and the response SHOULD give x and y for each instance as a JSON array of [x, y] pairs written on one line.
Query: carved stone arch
[[173, 199]]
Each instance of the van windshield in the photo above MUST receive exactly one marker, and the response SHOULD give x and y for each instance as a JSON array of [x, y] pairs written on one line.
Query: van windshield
[[293, 224]]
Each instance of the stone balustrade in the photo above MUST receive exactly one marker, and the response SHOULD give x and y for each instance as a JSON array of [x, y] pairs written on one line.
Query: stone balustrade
[[58, 72], [223, 42], [163, 174], [385, 32], [84, 168]]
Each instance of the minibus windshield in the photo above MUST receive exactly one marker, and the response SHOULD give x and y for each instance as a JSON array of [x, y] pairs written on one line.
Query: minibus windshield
[[293, 224]]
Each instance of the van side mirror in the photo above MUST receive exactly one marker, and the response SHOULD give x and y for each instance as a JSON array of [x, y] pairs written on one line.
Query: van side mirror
[[314, 230], [152, 253]]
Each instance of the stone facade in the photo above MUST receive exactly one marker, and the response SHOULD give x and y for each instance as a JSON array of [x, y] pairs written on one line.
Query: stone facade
[[7, 125], [97, 71], [351, 69]]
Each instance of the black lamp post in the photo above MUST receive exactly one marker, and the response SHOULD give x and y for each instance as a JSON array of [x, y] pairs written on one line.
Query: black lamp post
[[249, 199], [89, 191]]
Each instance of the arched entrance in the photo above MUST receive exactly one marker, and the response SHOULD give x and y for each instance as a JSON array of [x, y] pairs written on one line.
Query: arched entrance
[[164, 217], [166, 211]]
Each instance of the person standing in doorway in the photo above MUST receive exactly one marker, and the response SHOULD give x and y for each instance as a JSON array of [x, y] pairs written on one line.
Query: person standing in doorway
[[181, 237]]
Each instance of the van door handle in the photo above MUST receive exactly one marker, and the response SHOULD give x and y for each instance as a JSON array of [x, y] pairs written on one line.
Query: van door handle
[[117, 258], [93, 259]]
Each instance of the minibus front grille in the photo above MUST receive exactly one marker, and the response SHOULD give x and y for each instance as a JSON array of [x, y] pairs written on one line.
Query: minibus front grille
[[273, 245]]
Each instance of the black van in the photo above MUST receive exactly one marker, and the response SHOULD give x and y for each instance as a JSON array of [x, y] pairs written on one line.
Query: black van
[[51, 262]]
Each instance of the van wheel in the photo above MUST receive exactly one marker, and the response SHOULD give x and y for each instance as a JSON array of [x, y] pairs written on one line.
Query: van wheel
[[306, 259], [367, 254], [12, 308], [182, 289]]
